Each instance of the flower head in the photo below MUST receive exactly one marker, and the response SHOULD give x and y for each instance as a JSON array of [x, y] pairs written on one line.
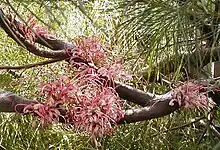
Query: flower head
[[191, 95], [90, 49]]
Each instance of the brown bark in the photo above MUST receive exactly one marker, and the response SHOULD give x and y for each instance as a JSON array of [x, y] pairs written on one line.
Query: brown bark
[[9, 100], [159, 108]]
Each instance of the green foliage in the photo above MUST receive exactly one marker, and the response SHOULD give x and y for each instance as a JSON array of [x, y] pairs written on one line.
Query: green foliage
[[159, 134], [163, 30], [18, 132], [5, 79]]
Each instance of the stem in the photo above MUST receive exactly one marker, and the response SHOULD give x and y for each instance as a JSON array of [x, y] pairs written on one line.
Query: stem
[[27, 66]]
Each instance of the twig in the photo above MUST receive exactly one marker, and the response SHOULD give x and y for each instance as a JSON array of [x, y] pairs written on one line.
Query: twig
[[212, 128], [202, 135], [27, 66], [13, 73]]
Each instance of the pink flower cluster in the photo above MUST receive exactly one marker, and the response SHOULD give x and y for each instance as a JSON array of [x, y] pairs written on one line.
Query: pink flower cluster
[[113, 70], [46, 112], [96, 62], [192, 95], [91, 50], [95, 110], [91, 103], [97, 114]]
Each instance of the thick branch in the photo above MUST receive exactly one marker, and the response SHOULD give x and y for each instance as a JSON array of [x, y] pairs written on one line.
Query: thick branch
[[43, 53], [9, 100], [160, 108], [45, 40], [21, 40], [134, 95], [53, 43]]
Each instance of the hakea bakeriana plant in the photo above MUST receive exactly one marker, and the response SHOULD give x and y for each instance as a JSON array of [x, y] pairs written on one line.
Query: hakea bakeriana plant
[[192, 95], [91, 103], [32, 30], [89, 98]]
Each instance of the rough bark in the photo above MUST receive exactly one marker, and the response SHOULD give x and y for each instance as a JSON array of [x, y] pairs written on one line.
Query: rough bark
[[160, 107], [9, 100]]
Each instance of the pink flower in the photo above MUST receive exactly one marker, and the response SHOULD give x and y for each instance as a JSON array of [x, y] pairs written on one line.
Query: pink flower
[[89, 49], [192, 95], [45, 112], [97, 114], [113, 71]]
